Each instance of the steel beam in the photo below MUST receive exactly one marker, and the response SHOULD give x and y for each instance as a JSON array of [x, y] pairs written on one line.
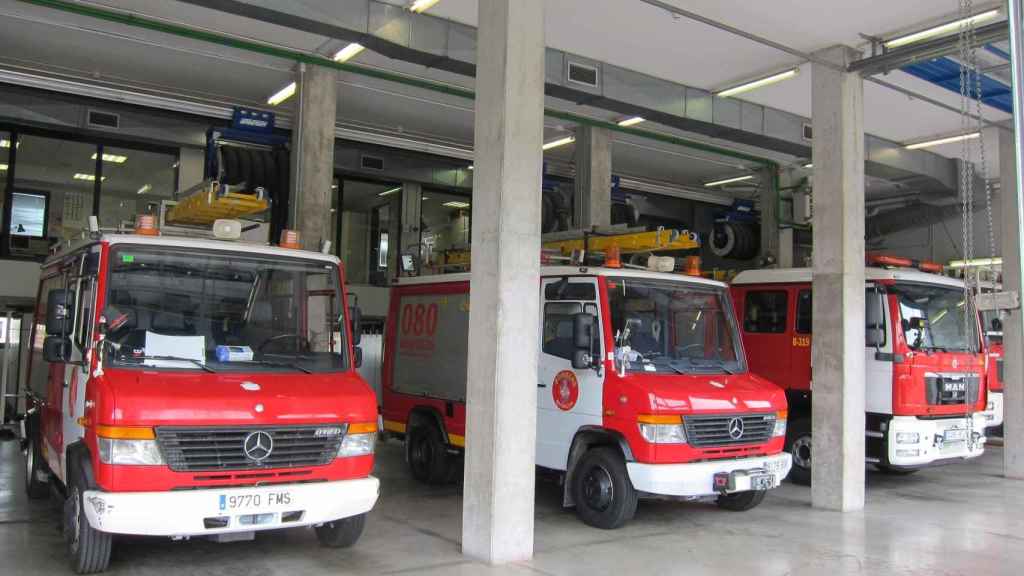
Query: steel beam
[[899, 57]]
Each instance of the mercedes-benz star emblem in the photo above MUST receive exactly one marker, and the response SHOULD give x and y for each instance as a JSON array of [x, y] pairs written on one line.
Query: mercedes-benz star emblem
[[736, 428], [258, 446]]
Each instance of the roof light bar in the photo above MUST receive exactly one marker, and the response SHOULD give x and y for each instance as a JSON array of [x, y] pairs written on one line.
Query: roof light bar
[[631, 121], [728, 181], [115, 158], [976, 262], [348, 52], [422, 5], [282, 94], [940, 30], [947, 140], [390, 191], [754, 84], [559, 142]]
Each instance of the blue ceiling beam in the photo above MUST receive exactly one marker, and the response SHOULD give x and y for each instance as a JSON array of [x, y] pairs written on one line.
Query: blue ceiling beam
[[945, 72]]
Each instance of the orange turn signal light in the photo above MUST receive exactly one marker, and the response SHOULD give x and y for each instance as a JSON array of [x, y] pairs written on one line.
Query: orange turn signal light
[[362, 428], [659, 419], [125, 432]]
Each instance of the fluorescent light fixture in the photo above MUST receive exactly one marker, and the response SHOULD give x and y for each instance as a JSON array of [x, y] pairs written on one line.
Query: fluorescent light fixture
[[754, 84], [3, 167], [976, 262], [946, 140], [456, 204], [809, 165], [470, 167], [348, 52], [390, 191], [145, 188], [282, 94], [728, 181], [559, 142], [424, 198], [115, 158], [5, 143], [940, 30], [89, 177], [422, 5], [631, 121]]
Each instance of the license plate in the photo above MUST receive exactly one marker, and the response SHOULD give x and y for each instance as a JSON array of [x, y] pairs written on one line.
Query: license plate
[[956, 435], [255, 501], [762, 482]]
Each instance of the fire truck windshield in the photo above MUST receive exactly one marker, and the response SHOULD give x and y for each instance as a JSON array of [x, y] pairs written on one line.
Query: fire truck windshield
[[223, 311], [673, 327], [933, 318]]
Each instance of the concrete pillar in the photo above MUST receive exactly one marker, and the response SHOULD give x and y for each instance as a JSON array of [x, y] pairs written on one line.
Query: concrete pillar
[[412, 200], [592, 204], [837, 403], [1013, 334], [497, 505], [312, 163]]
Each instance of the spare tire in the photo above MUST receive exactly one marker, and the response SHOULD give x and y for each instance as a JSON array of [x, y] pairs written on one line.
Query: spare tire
[[722, 239]]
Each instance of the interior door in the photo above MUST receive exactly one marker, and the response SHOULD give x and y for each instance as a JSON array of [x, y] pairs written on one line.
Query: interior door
[[566, 398]]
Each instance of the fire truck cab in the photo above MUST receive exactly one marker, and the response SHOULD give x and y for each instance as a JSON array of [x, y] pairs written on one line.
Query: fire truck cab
[[187, 387], [642, 389], [924, 365]]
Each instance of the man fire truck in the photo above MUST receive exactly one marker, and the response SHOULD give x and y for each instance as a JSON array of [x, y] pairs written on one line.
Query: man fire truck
[[642, 388], [924, 365], [197, 387]]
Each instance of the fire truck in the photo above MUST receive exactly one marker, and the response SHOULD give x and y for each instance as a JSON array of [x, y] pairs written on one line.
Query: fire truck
[[642, 389], [189, 386], [924, 363]]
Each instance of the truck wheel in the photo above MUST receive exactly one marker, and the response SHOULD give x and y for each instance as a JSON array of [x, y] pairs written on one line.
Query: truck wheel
[[428, 455], [88, 548], [798, 443], [741, 501], [341, 533], [605, 498], [34, 466]]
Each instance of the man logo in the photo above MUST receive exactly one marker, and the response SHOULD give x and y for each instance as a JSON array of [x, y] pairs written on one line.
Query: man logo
[[258, 446], [736, 428]]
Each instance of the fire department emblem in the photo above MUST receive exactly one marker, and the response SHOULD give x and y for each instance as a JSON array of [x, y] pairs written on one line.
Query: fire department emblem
[[565, 390]]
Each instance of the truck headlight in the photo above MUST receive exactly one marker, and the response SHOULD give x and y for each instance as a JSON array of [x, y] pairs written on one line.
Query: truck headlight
[[662, 429], [359, 440], [907, 437], [780, 423], [128, 445]]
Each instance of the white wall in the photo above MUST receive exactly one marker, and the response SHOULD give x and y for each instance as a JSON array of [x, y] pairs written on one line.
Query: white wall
[[18, 279]]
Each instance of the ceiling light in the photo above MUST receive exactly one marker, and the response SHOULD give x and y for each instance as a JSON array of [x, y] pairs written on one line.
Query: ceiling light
[[947, 140], [348, 52], [728, 180], [3, 167], [115, 158], [391, 191], [559, 142], [145, 188], [422, 5], [5, 143], [753, 84], [470, 167], [809, 165], [456, 204], [976, 262], [89, 177], [424, 197], [630, 121], [940, 30], [282, 94]]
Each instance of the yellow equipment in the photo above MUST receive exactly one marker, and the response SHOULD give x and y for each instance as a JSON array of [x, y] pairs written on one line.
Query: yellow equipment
[[661, 239], [212, 201]]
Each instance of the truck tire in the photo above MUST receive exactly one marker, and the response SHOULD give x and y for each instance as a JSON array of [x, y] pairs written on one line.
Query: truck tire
[[798, 444], [605, 497], [741, 501], [341, 533], [34, 465], [88, 548], [427, 453]]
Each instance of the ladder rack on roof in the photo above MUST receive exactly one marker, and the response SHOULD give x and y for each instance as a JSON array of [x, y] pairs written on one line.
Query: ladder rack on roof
[[630, 242], [210, 200]]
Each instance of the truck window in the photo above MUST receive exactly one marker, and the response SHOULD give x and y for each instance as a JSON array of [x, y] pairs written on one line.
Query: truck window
[[803, 312], [765, 312], [557, 337], [565, 290], [84, 310], [933, 318]]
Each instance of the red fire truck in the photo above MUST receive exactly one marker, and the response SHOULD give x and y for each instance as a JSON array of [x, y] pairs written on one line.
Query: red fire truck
[[188, 387], [642, 389], [924, 365]]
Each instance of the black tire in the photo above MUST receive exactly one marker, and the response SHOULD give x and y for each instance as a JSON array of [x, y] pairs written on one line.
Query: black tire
[[341, 533], [885, 469], [244, 168], [229, 167], [88, 548], [722, 240], [605, 497], [427, 455], [34, 465], [741, 501], [798, 444]]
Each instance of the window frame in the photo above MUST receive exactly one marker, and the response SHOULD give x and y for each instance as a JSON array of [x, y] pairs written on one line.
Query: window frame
[[785, 313]]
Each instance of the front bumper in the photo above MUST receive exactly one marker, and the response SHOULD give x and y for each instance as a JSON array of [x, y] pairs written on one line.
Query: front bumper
[[698, 478], [931, 446], [207, 511], [994, 411]]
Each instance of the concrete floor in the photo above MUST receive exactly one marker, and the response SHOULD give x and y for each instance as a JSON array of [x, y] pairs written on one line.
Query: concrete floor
[[960, 519]]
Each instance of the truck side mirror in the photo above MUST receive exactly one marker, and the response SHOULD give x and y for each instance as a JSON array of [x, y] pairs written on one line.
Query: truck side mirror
[[60, 310], [357, 358], [583, 331], [56, 348], [581, 359], [875, 337], [355, 316], [997, 325]]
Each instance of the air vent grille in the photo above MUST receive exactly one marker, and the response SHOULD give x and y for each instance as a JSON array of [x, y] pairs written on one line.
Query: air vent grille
[[372, 162], [98, 119], [582, 74], [808, 132]]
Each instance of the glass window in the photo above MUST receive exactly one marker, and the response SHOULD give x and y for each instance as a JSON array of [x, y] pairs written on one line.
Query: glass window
[[365, 228], [803, 312], [558, 326], [445, 231], [134, 182], [765, 312], [5, 166], [933, 318]]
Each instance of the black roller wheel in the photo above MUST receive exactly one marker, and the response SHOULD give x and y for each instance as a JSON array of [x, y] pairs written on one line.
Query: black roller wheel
[[427, 454], [88, 548], [229, 165], [605, 498], [36, 485], [798, 443], [741, 501], [341, 533]]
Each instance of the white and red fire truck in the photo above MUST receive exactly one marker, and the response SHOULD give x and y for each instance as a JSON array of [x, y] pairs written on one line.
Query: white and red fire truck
[[642, 389], [187, 387], [924, 364]]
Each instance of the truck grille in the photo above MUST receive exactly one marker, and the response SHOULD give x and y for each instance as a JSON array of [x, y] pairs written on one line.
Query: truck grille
[[946, 389], [721, 430], [216, 448]]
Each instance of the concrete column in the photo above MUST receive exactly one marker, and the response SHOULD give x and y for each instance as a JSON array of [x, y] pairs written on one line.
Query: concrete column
[[412, 200], [837, 403], [1013, 334], [497, 505], [592, 204], [312, 165]]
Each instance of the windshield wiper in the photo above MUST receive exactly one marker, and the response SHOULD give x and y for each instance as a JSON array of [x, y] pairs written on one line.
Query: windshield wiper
[[291, 365], [175, 359], [708, 363]]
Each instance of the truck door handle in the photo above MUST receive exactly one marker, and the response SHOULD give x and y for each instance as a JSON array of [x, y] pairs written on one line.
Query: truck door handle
[[539, 385]]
